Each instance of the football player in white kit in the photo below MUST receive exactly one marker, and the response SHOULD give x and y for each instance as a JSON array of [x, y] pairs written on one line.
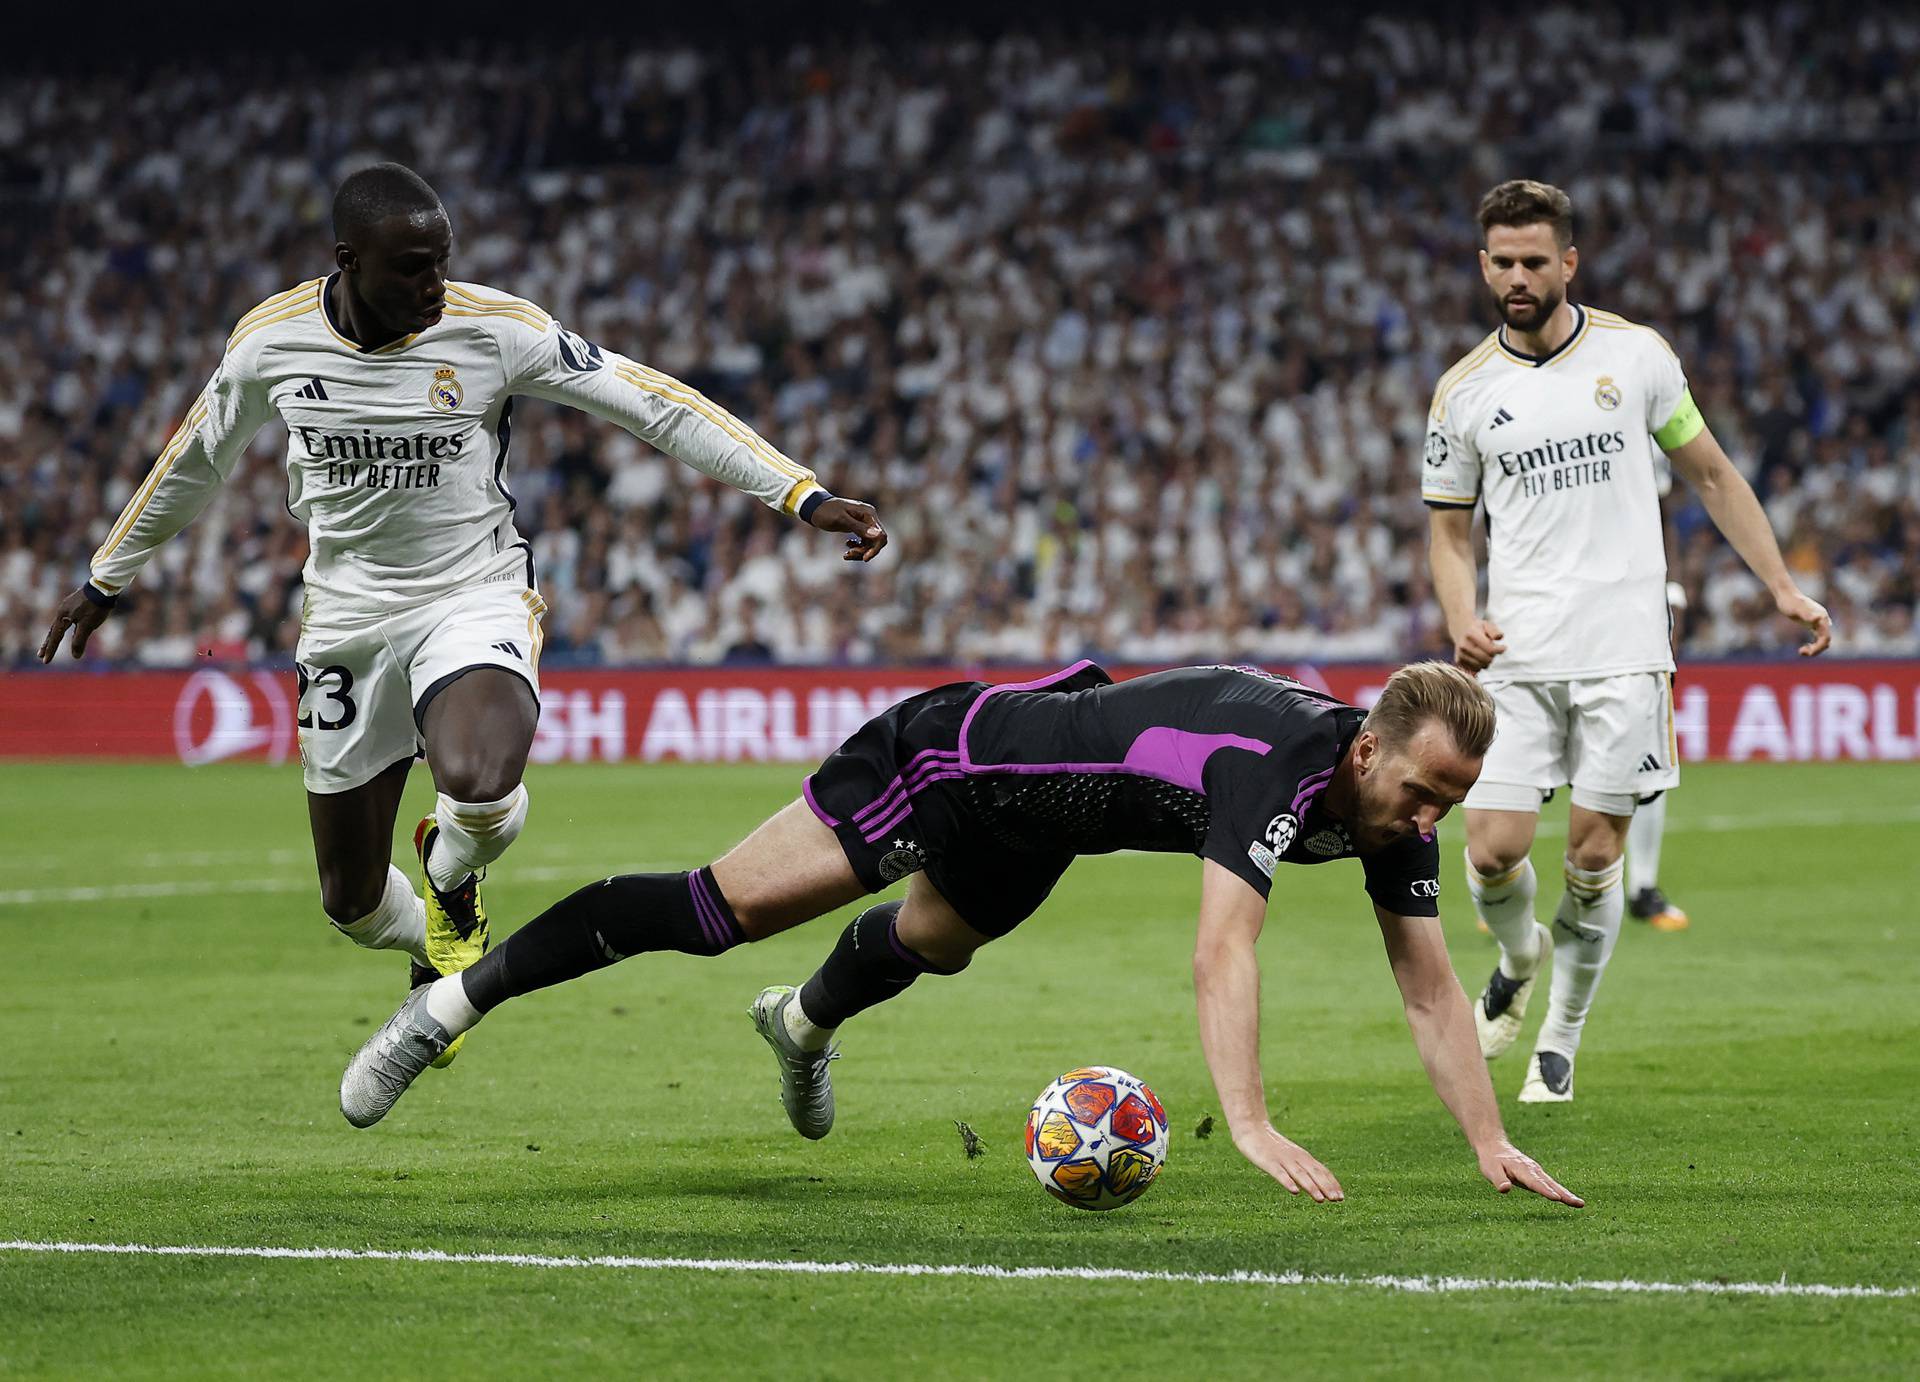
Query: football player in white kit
[[1551, 423], [421, 630]]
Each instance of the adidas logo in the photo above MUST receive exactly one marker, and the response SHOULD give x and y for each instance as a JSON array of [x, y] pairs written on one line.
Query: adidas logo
[[1499, 418], [315, 390], [510, 649], [1649, 764]]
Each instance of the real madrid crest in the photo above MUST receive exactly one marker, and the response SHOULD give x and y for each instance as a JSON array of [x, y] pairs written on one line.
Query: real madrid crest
[[446, 394], [1606, 393]]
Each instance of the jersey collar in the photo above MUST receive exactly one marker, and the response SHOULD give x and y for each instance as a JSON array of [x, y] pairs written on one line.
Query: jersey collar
[[326, 315], [1580, 324]]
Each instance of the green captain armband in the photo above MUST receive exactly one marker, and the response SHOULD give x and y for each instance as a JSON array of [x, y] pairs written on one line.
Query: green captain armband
[[1685, 424]]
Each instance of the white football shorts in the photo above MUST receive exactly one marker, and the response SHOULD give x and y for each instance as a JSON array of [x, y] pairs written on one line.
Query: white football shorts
[[364, 689], [1612, 738]]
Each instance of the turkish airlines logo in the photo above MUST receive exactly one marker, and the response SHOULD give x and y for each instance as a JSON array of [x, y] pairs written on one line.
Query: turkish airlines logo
[[220, 715]]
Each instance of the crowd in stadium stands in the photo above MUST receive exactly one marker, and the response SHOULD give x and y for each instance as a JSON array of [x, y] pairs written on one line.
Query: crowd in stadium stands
[[1130, 339]]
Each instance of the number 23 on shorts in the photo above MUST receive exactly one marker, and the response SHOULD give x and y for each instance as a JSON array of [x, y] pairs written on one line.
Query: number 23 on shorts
[[333, 687]]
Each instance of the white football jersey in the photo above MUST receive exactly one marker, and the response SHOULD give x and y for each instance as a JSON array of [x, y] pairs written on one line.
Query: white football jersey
[[397, 457], [1561, 451]]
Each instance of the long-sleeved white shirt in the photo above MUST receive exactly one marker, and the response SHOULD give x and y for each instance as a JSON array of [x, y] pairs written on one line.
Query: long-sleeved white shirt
[[397, 457]]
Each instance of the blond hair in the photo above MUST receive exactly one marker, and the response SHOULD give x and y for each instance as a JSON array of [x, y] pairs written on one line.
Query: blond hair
[[1423, 691], [1524, 202]]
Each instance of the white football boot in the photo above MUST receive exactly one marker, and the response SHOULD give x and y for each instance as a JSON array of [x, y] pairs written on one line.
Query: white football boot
[[1501, 1008], [1549, 1079], [393, 1057], [806, 1089]]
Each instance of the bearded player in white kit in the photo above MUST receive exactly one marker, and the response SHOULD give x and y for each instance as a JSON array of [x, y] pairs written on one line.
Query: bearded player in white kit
[[421, 629], [1551, 422]]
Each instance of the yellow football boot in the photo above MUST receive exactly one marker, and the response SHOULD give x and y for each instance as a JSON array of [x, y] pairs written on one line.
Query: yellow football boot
[[457, 931]]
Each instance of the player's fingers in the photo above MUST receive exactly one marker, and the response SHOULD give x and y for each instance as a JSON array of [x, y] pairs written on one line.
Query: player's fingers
[[1318, 1180], [1330, 1183], [80, 635], [1281, 1174], [1534, 1178], [51, 643]]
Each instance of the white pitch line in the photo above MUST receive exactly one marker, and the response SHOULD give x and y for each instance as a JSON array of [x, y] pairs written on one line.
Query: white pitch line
[[1412, 1285]]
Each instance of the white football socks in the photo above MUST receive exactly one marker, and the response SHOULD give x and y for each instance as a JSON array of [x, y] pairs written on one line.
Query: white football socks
[[1585, 929], [447, 1004], [472, 835], [1505, 902], [398, 923], [806, 1035], [1643, 845]]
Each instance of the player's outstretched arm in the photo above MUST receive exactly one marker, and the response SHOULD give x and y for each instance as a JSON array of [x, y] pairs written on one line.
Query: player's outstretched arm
[[196, 460], [1442, 1028], [1736, 512], [551, 362], [1226, 987]]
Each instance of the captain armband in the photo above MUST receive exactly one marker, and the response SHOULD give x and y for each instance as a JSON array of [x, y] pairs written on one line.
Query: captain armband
[[1685, 424]]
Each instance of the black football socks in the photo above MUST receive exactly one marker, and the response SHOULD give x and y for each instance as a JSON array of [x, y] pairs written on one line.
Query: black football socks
[[600, 924], [869, 965]]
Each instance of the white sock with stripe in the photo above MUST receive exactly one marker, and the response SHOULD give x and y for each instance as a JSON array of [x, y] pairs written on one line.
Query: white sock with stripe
[[1643, 845], [472, 835], [1585, 929], [398, 923], [1505, 902]]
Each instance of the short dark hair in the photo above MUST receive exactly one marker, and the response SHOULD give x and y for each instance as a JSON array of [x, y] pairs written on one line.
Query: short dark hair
[[375, 193], [1524, 202]]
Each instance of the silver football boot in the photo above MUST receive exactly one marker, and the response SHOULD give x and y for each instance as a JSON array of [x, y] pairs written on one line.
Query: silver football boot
[[392, 1059], [806, 1089]]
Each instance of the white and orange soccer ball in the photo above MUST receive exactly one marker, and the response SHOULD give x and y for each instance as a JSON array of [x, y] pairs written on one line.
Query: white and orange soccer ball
[[1096, 1138]]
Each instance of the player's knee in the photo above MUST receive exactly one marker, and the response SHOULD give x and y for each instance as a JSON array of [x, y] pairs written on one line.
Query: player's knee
[[936, 950], [758, 912], [479, 831], [480, 777], [1490, 860], [1595, 853], [347, 895]]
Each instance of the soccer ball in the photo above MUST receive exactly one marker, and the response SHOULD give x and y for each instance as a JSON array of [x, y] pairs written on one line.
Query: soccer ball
[[1096, 1138]]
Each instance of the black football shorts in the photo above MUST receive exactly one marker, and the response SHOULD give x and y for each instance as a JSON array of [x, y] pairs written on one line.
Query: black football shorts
[[897, 799]]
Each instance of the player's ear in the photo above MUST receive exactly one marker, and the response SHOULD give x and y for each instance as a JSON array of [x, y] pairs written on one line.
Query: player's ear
[[1570, 258], [1486, 269], [345, 258]]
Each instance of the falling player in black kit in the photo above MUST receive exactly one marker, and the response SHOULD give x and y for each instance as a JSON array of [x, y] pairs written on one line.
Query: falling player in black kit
[[984, 795]]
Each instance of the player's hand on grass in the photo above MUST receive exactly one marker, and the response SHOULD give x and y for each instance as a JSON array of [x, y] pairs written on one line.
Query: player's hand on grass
[[1505, 1166], [78, 613], [852, 516], [1478, 645], [1813, 614], [1289, 1163]]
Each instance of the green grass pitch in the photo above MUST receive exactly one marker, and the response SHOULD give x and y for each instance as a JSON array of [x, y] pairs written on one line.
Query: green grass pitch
[[170, 1047]]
